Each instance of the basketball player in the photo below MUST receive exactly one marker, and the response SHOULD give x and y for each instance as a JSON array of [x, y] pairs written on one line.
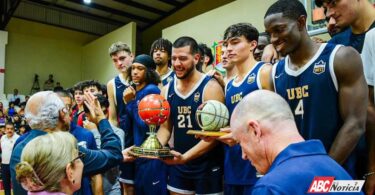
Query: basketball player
[[229, 66], [150, 174], [161, 53], [323, 83], [196, 167], [240, 41], [360, 17], [122, 58]]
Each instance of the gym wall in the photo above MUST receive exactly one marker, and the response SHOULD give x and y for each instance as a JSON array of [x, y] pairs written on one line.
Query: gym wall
[[96, 63], [42, 49]]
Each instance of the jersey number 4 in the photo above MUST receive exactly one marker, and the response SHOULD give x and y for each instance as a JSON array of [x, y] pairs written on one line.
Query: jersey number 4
[[299, 108], [184, 121]]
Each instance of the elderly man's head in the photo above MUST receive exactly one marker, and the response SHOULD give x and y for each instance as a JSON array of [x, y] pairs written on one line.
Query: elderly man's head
[[256, 121], [46, 111]]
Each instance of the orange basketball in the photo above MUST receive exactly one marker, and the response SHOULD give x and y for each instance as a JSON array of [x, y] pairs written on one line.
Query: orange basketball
[[154, 109]]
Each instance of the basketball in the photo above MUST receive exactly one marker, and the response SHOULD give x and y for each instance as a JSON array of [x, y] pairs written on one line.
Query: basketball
[[212, 115], [154, 109]]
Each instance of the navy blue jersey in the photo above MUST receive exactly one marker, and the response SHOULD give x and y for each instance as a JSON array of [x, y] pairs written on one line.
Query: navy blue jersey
[[165, 79], [236, 170], [183, 109], [140, 128], [312, 95], [123, 117], [348, 38]]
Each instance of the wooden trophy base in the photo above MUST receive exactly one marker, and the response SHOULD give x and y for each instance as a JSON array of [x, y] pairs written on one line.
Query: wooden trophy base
[[206, 133], [139, 152]]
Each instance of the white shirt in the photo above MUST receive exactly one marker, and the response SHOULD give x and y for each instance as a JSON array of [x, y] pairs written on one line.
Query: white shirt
[[7, 147], [368, 57]]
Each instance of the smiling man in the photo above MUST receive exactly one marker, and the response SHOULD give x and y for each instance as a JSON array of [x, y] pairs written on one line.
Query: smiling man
[[323, 83]]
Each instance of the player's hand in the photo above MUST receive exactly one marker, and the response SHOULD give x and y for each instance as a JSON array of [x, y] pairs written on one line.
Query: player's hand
[[96, 112], [129, 94], [270, 54], [126, 156], [228, 138], [370, 185], [177, 159], [89, 125]]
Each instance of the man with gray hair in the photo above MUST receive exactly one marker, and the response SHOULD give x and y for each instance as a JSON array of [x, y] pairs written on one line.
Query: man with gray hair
[[45, 112], [264, 126]]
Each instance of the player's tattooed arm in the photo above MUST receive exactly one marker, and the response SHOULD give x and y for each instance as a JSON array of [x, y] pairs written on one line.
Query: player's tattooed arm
[[353, 98]]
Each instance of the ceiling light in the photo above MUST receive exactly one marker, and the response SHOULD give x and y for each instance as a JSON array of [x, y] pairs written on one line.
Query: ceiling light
[[87, 1]]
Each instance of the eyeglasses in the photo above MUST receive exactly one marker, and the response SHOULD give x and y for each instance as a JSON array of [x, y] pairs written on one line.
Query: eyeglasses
[[81, 156]]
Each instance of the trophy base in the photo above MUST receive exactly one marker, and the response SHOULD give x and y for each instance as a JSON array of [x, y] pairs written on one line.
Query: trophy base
[[139, 152], [206, 133]]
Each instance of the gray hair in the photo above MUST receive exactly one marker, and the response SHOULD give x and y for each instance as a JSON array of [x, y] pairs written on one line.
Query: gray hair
[[262, 105], [42, 110]]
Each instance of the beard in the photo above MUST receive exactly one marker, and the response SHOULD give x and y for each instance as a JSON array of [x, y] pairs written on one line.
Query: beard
[[187, 73]]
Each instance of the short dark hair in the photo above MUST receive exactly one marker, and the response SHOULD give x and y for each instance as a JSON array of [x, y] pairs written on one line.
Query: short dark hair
[[9, 123], [77, 87], [242, 29], [319, 3], [265, 34], [207, 51], [187, 41], [291, 9], [161, 44], [91, 83]]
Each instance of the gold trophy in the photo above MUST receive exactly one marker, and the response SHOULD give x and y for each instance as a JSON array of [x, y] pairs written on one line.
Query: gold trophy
[[154, 110]]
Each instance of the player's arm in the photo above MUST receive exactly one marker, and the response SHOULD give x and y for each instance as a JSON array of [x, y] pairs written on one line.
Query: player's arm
[[266, 77], [112, 107], [213, 91], [353, 96], [164, 132]]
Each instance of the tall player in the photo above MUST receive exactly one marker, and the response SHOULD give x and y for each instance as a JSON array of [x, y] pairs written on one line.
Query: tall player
[[196, 167], [122, 58], [324, 84], [240, 41], [161, 53]]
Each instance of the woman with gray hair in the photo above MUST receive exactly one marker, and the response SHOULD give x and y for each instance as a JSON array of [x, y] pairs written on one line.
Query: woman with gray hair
[[51, 165]]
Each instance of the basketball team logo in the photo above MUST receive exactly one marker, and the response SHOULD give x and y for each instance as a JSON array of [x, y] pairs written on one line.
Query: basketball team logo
[[197, 96], [319, 67], [251, 78]]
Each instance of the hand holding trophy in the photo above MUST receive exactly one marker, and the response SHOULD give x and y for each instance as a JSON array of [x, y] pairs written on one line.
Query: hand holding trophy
[[211, 116], [154, 110]]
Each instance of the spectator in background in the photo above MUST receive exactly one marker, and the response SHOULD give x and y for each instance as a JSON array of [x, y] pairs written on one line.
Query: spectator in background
[[2, 107], [16, 98], [25, 102], [263, 41], [2, 118], [16, 120], [49, 84], [207, 57], [58, 87], [11, 110], [7, 143]]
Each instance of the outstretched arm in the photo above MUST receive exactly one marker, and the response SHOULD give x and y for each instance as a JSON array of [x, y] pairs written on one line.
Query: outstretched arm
[[112, 106]]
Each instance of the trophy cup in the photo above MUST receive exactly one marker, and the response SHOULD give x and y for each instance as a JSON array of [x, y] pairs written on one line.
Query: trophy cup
[[154, 110], [211, 115]]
